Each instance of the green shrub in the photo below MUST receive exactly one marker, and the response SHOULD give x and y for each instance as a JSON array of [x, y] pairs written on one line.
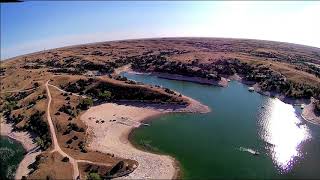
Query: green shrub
[[65, 159], [105, 95], [85, 104], [93, 176], [317, 106]]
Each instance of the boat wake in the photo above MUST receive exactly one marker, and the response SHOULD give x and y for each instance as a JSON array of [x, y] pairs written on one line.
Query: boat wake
[[249, 150]]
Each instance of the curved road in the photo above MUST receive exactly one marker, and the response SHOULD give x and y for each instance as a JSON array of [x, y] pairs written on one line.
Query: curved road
[[56, 147], [63, 91]]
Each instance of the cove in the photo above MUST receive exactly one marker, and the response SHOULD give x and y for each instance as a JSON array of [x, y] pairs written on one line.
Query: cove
[[11, 154], [220, 144]]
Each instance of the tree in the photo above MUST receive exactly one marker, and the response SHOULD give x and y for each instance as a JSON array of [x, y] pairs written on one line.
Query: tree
[[39, 142], [85, 104], [308, 92], [65, 159], [317, 106], [105, 95], [36, 84], [94, 176]]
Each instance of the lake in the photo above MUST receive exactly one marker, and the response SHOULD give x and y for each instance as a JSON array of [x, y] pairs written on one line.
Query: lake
[[222, 143], [11, 154]]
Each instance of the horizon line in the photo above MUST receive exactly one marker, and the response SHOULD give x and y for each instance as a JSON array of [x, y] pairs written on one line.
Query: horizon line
[[160, 37]]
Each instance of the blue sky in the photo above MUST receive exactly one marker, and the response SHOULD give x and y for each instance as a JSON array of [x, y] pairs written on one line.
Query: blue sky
[[32, 26]]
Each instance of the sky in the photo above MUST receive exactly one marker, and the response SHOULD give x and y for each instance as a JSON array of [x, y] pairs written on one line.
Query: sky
[[34, 26]]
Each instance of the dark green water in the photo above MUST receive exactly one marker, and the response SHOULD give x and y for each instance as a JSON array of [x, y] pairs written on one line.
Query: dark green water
[[219, 144], [11, 154]]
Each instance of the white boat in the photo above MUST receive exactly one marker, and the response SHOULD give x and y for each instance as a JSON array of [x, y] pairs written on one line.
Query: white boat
[[251, 89]]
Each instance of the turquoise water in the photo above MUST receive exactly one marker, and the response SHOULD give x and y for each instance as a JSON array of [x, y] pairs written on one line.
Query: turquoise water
[[11, 154], [220, 144]]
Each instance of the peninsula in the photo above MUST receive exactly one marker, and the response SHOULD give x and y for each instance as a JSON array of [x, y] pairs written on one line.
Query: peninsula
[[73, 109]]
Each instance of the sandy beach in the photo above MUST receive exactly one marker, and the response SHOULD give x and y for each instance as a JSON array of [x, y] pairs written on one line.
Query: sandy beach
[[27, 142], [111, 136], [121, 69]]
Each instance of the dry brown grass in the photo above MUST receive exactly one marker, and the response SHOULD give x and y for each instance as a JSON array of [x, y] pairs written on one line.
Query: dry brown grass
[[207, 50], [61, 121], [52, 167], [289, 72]]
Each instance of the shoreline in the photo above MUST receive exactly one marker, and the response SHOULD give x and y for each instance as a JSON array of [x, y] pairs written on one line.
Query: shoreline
[[307, 113], [222, 83], [119, 121], [26, 140], [155, 110], [178, 173]]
